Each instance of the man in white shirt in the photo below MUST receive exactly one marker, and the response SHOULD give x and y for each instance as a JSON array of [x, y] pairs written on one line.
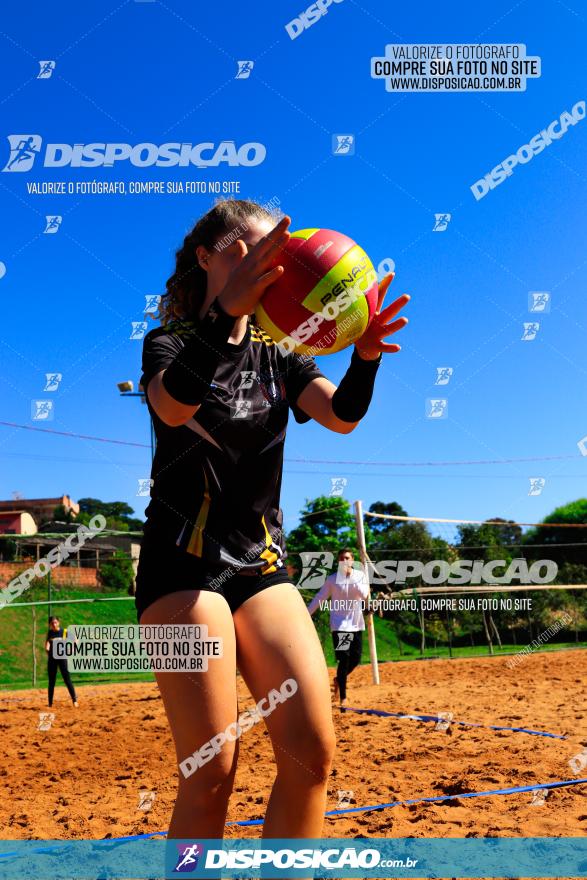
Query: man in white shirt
[[347, 591]]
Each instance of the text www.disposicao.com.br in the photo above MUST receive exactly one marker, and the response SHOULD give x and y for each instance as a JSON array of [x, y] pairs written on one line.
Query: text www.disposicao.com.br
[[135, 664]]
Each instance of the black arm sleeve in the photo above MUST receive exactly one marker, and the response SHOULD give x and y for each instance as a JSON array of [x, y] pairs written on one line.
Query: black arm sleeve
[[351, 399]]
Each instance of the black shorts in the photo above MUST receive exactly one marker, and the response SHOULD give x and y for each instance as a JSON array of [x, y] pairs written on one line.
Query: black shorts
[[164, 569]]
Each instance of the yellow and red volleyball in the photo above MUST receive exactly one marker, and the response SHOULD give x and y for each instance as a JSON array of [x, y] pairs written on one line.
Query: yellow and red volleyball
[[326, 296]]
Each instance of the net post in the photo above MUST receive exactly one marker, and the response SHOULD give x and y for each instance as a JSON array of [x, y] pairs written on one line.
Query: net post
[[358, 505], [34, 645]]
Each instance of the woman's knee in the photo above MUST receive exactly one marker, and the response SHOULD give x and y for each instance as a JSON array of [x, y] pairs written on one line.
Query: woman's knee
[[309, 754], [201, 781]]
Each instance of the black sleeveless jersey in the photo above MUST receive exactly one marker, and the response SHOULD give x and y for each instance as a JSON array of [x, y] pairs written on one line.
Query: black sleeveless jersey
[[216, 481], [51, 635], [55, 634]]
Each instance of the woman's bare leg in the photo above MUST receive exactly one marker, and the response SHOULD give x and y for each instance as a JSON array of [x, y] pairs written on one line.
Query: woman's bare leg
[[200, 705], [276, 640]]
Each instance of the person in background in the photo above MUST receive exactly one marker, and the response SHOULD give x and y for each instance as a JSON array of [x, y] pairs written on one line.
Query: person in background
[[54, 663], [347, 590]]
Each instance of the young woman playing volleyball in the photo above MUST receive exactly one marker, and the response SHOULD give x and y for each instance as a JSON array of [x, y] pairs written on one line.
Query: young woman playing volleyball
[[219, 392]]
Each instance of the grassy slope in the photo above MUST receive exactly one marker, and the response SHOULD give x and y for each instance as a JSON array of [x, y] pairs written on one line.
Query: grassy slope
[[16, 632]]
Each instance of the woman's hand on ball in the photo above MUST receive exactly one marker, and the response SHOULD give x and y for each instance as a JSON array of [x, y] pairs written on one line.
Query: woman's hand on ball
[[254, 272], [370, 345]]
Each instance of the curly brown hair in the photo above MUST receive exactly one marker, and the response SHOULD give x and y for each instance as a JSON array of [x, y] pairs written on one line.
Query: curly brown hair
[[186, 288]]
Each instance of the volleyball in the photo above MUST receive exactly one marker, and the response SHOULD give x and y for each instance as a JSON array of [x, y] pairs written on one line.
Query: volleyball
[[326, 296]]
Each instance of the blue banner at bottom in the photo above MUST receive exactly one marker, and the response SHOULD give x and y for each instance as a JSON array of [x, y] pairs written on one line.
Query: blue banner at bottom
[[156, 858]]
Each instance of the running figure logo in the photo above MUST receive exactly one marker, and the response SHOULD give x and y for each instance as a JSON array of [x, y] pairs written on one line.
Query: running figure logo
[[53, 224], [247, 379], [443, 721], [187, 861], [145, 486], [539, 301], [578, 762], [437, 408], [23, 151], [344, 641], [345, 797], [152, 301], [316, 566], [52, 381], [539, 796], [530, 331], [441, 222], [338, 486], [343, 145], [45, 720], [146, 800], [443, 375], [139, 328], [46, 71], [241, 409], [537, 484], [42, 410], [244, 69]]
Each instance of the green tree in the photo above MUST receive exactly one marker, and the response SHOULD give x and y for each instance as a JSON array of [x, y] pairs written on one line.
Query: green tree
[[117, 513], [106, 508], [327, 523], [7, 549], [382, 528], [61, 514], [488, 541], [561, 544], [117, 573]]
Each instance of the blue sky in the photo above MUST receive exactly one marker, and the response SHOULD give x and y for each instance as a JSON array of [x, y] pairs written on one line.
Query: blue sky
[[165, 71]]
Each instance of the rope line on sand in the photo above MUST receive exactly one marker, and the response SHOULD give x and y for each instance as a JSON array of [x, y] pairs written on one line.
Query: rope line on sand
[[115, 841], [382, 714], [519, 789], [446, 797]]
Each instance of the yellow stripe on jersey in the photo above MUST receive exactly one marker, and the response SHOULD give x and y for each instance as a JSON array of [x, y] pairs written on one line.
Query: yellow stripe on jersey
[[269, 555], [259, 335], [196, 541]]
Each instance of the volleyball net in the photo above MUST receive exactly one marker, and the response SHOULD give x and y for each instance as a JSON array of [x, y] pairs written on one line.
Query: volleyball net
[[448, 587], [450, 555], [440, 587]]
